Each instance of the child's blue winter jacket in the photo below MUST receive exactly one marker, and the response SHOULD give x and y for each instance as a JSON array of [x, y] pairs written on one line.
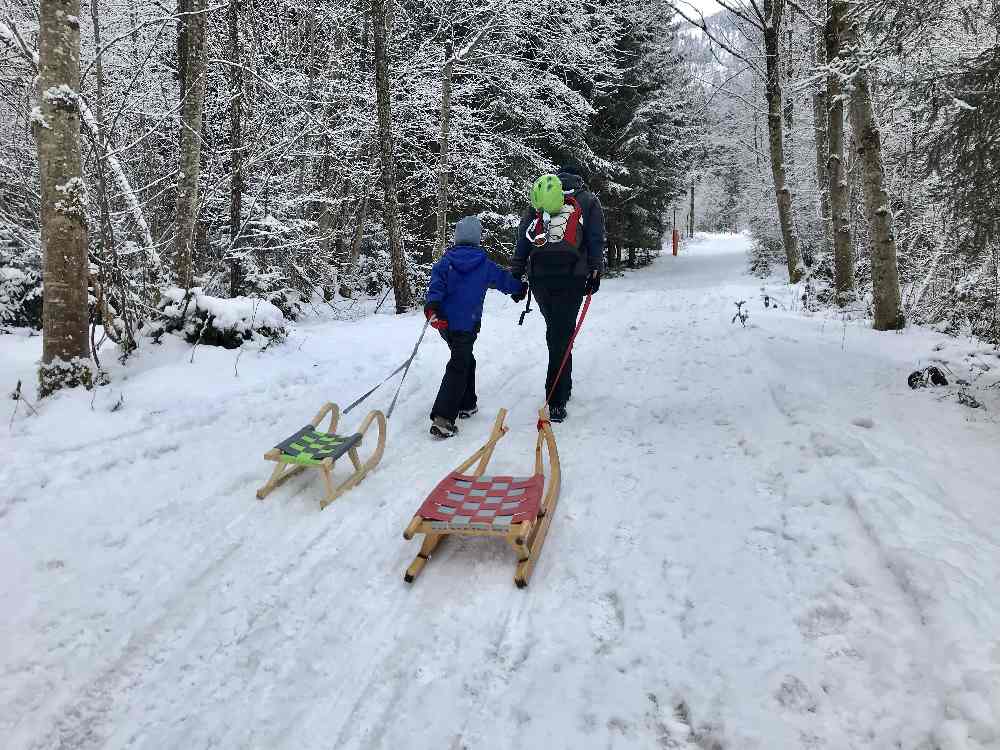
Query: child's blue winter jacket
[[459, 282]]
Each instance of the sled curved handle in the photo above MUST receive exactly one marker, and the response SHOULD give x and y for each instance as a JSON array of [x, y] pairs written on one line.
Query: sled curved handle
[[484, 454]]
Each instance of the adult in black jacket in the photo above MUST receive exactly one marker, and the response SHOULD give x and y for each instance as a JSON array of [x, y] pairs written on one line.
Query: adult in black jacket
[[560, 280]]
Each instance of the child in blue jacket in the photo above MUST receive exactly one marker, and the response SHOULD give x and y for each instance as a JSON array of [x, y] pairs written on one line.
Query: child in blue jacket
[[455, 308]]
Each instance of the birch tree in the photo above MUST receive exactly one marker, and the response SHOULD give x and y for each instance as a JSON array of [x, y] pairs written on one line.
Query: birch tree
[[878, 209], [65, 346], [772, 13], [453, 57]]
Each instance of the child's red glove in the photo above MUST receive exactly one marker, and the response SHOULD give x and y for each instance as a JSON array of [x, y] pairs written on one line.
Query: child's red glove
[[431, 313]]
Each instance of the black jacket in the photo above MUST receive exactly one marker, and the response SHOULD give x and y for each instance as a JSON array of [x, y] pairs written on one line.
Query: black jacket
[[592, 247]]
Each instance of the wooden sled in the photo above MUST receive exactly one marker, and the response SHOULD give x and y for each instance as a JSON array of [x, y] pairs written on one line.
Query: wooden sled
[[310, 448], [516, 509]]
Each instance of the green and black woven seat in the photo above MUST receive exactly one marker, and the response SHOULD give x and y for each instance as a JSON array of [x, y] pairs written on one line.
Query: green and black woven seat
[[309, 447]]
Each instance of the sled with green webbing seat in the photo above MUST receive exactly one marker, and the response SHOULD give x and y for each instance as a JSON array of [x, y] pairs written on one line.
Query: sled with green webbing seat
[[311, 448]]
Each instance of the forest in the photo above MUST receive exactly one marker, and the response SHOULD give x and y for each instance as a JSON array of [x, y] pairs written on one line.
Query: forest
[[701, 295], [160, 161]]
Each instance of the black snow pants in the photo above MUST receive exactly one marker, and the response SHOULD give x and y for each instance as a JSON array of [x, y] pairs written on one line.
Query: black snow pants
[[458, 386], [560, 305]]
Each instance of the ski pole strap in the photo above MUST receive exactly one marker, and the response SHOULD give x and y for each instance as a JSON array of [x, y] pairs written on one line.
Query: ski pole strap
[[406, 371], [569, 349], [405, 366], [527, 308]]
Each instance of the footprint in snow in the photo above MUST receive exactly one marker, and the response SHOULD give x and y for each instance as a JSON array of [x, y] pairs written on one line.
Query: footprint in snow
[[824, 619], [795, 696], [607, 621]]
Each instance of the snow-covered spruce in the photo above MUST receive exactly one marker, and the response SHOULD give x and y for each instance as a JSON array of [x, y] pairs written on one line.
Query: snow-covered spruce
[[20, 279], [213, 321]]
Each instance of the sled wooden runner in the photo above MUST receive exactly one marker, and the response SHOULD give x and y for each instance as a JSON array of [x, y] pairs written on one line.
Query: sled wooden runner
[[517, 509], [311, 448]]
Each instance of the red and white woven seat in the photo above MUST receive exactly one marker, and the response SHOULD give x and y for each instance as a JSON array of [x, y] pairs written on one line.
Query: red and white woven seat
[[483, 503], [470, 503]]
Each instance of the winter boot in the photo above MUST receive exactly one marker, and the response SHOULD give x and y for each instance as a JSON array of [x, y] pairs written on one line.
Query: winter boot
[[557, 413], [466, 413], [443, 428]]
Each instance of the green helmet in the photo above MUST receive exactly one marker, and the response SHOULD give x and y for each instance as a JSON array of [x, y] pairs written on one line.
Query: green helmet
[[547, 194]]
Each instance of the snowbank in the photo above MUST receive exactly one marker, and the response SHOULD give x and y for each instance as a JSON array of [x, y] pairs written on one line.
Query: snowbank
[[203, 319]]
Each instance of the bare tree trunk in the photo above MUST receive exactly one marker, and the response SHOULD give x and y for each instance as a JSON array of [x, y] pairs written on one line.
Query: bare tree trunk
[[107, 232], [885, 273], [304, 160], [359, 234], [190, 143], [184, 8], [788, 110], [773, 10], [236, 156], [443, 174], [110, 273], [400, 284], [821, 129], [691, 213], [843, 249], [65, 346]]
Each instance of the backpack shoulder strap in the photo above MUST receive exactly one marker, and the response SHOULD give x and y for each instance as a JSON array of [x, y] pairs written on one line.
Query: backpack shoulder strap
[[574, 223]]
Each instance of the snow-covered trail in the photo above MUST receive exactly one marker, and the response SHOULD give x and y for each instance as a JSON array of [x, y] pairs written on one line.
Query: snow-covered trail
[[764, 540]]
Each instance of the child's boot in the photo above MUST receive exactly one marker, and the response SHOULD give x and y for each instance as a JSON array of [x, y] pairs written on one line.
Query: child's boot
[[443, 428]]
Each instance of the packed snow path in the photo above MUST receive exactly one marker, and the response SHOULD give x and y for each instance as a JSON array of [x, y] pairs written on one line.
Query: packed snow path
[[764, 540]]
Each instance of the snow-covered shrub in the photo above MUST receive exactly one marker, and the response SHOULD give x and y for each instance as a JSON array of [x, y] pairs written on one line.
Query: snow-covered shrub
[[59, 374], [271, 285], [202, 319], [766, 251], [20, 281], [972, 305], [20, 297], [281, 260]]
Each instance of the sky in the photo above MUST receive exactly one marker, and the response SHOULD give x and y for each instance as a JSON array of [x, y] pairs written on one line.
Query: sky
[[705, 6]]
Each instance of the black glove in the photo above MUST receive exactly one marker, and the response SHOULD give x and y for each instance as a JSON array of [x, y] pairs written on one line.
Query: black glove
[[519, 296], [593, 284]]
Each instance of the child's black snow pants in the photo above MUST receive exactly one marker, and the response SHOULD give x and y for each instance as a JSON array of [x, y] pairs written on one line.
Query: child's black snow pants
[[458, 387]]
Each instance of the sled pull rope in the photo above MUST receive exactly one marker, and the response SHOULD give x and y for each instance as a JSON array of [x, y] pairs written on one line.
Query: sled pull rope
[[565, 359], [403, 368]]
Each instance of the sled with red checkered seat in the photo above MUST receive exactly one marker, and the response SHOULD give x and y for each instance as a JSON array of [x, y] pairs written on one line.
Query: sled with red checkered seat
[[517, 509]]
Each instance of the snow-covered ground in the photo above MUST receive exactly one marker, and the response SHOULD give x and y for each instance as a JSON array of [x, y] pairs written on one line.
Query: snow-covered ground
[[765, 540]]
